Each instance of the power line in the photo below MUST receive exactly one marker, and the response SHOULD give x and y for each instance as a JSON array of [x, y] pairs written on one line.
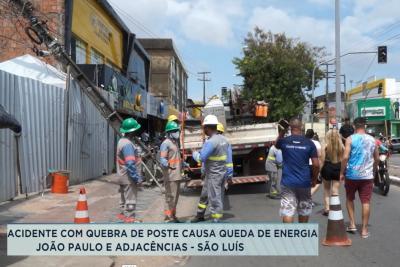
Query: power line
[[204, 79], [135, 22], [368, 68], [150, 33], [378, 34]]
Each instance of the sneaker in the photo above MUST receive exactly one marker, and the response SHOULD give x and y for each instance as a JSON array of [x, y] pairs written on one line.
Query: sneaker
[[277, 196], [168, 219], [121, 217], [176, 220], [198, 219], [132, 220]]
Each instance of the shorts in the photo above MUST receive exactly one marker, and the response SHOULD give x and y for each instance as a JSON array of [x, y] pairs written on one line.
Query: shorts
[[364, 188], [295, 199], [331, 171]]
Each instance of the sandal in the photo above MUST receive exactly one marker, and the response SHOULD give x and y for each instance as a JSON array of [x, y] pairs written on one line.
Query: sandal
[[351, 230], [365, 235]]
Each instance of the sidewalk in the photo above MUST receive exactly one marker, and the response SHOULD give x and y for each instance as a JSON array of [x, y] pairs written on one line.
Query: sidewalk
[[103, 199]]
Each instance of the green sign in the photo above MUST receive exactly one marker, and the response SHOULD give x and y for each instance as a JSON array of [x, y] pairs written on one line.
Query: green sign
[[376, 109]]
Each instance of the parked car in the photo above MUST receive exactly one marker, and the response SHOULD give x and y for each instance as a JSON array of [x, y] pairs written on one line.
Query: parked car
[[396, 144]]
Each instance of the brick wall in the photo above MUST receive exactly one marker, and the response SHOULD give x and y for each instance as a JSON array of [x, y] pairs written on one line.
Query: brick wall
[[13, 40]]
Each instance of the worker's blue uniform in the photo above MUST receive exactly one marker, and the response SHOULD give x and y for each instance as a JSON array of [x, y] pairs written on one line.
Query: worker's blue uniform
[[214, 156], [128, 169]]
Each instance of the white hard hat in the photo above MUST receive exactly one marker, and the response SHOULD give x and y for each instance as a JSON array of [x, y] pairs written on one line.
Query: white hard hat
[[210, 120]]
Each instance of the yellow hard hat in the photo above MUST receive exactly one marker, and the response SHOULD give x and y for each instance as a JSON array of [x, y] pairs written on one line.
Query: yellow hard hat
[[172, 118], [220, 127]]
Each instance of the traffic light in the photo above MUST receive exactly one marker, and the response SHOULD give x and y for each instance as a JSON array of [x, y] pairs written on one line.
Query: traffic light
[[380, 88], [314, 107], [382, 54]]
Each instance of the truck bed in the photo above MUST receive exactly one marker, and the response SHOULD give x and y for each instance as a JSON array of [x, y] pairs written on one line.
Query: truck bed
[[240, 137], [248, 145]]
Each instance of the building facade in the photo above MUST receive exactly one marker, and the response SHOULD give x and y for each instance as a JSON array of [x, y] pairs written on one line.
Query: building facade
[[168, 75], [107, 52], [378, 101]]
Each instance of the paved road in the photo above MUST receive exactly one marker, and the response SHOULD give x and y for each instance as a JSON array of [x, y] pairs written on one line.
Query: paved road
[[248, 203], [394, 165]]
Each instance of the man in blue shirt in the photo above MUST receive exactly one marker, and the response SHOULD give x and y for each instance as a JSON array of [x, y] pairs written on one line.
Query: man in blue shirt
[[297, 180]]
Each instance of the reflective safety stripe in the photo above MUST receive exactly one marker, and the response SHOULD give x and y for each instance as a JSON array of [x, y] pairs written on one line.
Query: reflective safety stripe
[[81, 214], [229, 165], [334, 200], [202, 206], [217, 158], [271, 158], [168, 212], [128, 158], [216, 215], [174, 161], [335, 215]]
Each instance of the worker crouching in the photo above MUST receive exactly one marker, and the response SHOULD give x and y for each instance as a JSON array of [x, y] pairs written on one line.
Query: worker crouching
[[128, 166], [171, 161], [214, 156]]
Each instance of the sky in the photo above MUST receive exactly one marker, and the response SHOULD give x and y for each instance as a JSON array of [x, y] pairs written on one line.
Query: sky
[[210, 33]]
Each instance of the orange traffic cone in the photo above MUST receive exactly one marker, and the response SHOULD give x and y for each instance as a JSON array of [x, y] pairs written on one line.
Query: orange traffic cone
[[336, 233], [82, 213]]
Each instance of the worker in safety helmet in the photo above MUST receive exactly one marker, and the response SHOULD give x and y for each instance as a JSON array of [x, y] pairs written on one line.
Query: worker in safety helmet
[[214, 157], [176, 120], [173, 118], [203, 202], [128, 169], [170, 158]]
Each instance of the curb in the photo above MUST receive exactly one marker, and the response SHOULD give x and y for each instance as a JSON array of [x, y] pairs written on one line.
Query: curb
[[395, 180]]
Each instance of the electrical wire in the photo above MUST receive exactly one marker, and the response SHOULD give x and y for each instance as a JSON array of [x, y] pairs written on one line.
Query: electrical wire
[[368, 68], [150, 33], [135, 22]]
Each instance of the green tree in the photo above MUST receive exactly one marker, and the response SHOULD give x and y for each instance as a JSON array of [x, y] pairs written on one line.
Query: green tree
[[278, 69]]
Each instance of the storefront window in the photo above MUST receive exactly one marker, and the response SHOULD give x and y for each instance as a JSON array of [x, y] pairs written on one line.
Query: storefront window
[[96, 57], [80, 51], [137, 69]]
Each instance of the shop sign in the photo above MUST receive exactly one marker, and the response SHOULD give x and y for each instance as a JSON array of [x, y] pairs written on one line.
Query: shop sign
[[373, 111]]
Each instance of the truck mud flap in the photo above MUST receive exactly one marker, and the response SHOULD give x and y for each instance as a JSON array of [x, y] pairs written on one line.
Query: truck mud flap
[[235, 180]]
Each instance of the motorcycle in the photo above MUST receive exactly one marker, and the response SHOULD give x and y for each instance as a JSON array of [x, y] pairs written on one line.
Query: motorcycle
[[382, 179]]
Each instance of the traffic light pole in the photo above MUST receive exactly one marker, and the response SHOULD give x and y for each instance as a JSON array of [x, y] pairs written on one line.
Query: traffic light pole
[[326, 98], [313, 77], [337, 63]]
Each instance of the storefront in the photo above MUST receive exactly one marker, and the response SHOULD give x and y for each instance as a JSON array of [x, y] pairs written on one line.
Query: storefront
[[380, 115], [378, 100]]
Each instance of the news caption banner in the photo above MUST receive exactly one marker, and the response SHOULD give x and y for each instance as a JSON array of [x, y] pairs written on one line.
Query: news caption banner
[[204, 239]]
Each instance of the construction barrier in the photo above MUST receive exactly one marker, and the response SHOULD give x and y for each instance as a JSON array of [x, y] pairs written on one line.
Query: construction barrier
[[82, 211], [336, 233]]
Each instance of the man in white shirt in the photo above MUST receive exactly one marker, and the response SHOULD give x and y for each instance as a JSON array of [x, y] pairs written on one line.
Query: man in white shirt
[[310, 135]]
